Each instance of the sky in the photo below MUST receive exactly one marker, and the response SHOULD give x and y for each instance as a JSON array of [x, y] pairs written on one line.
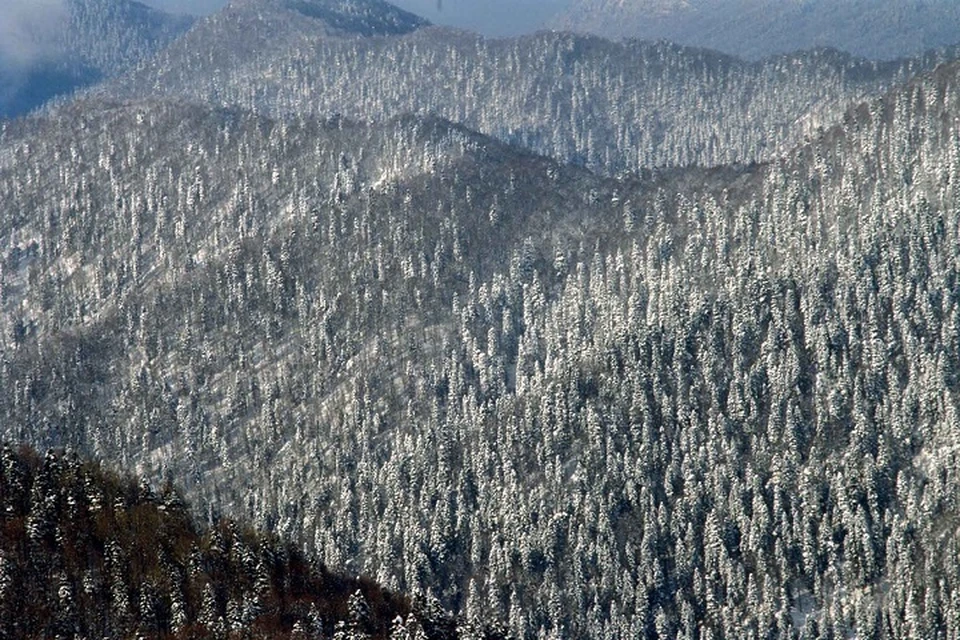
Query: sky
[[490, 17]]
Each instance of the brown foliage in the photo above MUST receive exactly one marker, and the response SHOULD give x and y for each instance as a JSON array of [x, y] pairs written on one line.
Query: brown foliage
[[112, 560]]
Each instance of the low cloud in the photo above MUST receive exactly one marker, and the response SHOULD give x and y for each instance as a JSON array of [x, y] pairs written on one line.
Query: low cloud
[[29, 30]]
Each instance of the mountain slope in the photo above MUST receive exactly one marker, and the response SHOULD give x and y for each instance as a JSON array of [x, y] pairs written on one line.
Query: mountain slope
[[232, 40], [610, 107], [68, 49], [115, 35], [347, 17], [85, 553], [877, 29], [307, 253], [698, 401]]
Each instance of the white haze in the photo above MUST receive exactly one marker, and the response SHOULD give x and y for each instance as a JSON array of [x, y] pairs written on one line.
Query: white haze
[[29, 30]]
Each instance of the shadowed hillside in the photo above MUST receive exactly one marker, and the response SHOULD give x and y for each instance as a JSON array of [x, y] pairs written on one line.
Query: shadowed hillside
[[85, 553]]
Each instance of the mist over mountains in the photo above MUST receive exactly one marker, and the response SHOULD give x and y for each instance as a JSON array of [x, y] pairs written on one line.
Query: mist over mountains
[[54, 47], [876, 29], [545, 337]]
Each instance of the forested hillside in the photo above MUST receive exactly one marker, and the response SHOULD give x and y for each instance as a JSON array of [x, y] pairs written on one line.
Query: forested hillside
[[876, 29], [84, 553], [695, 379], [611, 107], [113, 36], [698, 402]]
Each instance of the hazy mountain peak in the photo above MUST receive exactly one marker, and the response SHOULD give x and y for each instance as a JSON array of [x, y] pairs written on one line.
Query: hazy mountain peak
[[656, 7], [879, 29], [359, 17]]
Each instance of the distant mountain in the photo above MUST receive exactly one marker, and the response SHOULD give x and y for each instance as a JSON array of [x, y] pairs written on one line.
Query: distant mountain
[[235, 41], [85, 553], [87, 41], [878, 29], [345, 17], [610, 107], [115, 35]]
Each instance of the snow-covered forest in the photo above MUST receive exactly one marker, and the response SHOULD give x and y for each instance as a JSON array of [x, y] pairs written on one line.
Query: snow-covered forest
[[694, 372], [880, 29]]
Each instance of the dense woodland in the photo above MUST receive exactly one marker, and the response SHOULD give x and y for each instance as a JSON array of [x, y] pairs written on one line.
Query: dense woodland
[[84, 553], [611, 107], [704, 402]]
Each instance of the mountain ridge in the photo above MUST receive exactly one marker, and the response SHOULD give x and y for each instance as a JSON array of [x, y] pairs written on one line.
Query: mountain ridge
[[878, 29], [364, 18], [463, 368], [612, 107]]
